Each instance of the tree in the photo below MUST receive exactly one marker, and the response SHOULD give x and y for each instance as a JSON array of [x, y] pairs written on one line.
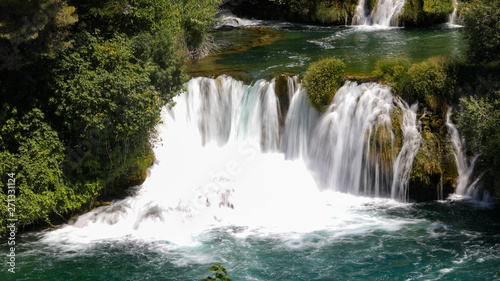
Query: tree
[[30, 29], [106, 106], [482, 31]]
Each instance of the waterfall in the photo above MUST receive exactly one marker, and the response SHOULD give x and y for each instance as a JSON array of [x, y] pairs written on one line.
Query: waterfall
[[354, 148], [361, 14], [227, 149], [409, 149], [452, 20], [465, 185], [225, 18], [384, 14]]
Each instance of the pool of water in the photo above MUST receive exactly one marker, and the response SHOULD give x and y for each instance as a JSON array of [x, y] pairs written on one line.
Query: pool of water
[[367, 239], [359, 47]]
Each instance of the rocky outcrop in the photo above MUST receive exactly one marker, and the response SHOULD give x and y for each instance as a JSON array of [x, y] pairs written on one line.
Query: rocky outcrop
[[434, 175]]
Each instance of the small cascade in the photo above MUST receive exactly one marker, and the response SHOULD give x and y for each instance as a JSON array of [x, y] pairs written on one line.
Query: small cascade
[[465, 186], [452, 20], [259, 115], [300, 122], [225, 18], [384, 14], [361, 14], [409, 149]]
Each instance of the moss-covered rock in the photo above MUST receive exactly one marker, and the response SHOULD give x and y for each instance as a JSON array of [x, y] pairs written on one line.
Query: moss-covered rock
[[435, 173], [281, 91], [136, 175]]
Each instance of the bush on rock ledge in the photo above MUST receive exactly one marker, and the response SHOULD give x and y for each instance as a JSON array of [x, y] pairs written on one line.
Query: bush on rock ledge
[[322, 79]]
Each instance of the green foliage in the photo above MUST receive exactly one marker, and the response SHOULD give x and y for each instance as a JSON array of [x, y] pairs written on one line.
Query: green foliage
[[434, 82], [438, 7], [32, 150], [129, 17], [322, 80], [197, 18], [105, 105], [395, 71], [482, 31], [165, 61], [336, 12], [479, 123], [220, 273], [426, 12], [33, 29]]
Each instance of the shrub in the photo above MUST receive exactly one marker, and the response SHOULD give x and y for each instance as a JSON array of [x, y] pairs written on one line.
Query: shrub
[[395, 71], [433, 81], [479, 123], [322, 80]]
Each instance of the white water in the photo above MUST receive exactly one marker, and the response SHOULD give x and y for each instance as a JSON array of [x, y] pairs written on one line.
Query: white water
[[452, 19], [362, 14], [384, 14], [466, 185], [226, 18], [354, 147], [223, 162]]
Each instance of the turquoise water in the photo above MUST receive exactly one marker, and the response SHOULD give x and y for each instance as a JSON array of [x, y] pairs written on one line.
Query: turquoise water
[[449, 240], [358, 47]]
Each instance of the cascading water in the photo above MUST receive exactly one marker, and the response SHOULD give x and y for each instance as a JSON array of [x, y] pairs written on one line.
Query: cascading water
[[229, 126], [452, 20], [384, 14], [300, 122], [226, 18], [361, 14], [409, 149], [465, 185], [354, 148]]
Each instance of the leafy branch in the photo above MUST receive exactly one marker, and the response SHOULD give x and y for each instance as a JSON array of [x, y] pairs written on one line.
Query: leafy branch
[[220, 273]]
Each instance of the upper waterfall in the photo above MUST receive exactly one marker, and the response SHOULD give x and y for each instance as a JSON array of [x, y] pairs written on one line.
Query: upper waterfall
[[384, 14]]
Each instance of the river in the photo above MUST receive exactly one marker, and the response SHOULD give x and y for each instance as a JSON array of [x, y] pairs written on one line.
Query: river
[[235, 184]]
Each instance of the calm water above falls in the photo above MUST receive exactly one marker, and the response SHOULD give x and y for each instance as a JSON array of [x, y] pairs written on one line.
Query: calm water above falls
[[359, 47], [222, 190]]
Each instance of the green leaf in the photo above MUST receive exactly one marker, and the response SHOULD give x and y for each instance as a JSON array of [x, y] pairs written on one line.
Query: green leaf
[[214, 268]]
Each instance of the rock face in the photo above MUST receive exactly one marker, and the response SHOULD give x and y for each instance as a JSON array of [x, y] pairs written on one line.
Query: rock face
[[435, 173]]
